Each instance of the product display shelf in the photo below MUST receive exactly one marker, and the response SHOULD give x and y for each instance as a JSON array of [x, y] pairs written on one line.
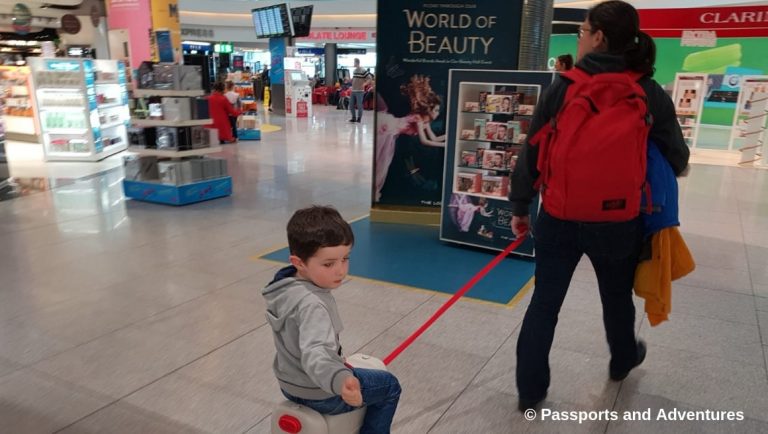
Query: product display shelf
[[82, 106], [164, 123], [688, 97], [489, 114], [157, 192], [146, 93], [168, 194], [19, 105], [174, 154], [751, 87]]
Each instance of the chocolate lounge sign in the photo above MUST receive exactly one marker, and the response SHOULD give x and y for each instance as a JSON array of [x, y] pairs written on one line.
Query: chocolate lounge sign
[[341, 35]]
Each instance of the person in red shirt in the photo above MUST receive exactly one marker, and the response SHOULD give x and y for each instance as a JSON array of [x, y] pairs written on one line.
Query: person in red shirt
[[220, 109]]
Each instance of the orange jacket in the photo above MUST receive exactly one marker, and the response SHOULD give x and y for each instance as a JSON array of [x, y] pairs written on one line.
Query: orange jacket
[[670, 260]]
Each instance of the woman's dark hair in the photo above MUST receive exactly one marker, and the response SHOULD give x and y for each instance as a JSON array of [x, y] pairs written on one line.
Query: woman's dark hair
[[620, 24], [218, 87], [566, 60]]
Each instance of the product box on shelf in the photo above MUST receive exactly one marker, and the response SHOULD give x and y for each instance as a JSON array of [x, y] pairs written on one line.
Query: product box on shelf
[[471, 106], [499, 104], [493, 159], [469, 158], [481, 101], [177, 109], [167, 139], [166, 76], [495, 185], [191, 77], [510, 158], [146, 75], [480, 128], [468, 182], [468, 134]]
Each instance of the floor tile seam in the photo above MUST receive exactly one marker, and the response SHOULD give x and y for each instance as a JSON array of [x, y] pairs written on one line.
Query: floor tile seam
[[258, 423], [700, 315], [754, 302], [474, 377], [173, 371]]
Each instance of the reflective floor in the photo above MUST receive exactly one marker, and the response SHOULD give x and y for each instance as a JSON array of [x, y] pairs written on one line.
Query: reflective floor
[[128, 317]]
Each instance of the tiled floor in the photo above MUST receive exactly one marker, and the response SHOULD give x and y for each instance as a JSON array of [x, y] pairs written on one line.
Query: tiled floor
[[127, 317]]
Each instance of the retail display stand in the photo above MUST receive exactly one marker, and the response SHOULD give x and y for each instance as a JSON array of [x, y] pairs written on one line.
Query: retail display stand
[[489, 113], [748, 131], [688, 97], [168, 168], [19, 104], [82, 106]]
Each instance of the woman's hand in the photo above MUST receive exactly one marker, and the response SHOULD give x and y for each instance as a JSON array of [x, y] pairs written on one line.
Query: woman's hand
[[521, 225]]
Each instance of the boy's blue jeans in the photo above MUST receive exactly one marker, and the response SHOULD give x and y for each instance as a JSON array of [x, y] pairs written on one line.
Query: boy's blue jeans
[[381, 392]]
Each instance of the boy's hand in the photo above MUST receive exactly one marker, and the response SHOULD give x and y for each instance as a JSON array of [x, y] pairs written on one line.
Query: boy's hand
[[350, 393]]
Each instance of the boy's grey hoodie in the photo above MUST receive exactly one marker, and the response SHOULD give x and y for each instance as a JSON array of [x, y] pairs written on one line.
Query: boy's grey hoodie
[[306, 325]]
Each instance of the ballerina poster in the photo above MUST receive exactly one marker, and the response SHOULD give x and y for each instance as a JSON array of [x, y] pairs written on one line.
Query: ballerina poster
[[418, 42]]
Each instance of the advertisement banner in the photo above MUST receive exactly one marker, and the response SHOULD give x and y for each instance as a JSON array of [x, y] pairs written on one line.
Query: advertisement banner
[[165, 19], [131, 15], [423, 41]]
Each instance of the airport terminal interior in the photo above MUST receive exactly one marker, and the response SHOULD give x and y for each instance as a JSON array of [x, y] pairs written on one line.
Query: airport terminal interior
[[137, 232]]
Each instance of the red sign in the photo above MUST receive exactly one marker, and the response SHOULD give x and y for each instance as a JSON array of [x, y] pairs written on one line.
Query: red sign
[[301, 109], [734, 22], [288, 102], [341, 35]]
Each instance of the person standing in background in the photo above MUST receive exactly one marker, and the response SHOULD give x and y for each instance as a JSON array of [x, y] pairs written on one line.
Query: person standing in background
[[564, 63], [234, 99], [360, 78], [220, 109]]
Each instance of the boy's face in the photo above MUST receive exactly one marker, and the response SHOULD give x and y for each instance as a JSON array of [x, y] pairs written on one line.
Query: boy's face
[[327, 268]]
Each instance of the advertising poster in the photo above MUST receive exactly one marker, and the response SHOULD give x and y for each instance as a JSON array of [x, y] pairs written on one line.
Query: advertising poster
[[423, 41]]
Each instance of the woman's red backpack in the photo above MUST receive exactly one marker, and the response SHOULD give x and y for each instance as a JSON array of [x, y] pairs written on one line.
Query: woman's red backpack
[[592, 155]]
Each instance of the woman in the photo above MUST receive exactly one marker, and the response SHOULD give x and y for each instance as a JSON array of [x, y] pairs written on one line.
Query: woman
[[220, 109], [425, 108], [234, 99], [610, 40]]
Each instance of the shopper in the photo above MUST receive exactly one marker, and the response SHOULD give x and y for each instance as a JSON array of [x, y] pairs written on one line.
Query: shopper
[[266, 82], [302, 312], [564, 63], [220, 109], [360, 78], [609, 41], [234, 99]]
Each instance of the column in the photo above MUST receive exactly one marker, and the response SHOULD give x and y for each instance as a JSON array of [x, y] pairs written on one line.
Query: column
[[534, 35], [330, 64], [278, 48]]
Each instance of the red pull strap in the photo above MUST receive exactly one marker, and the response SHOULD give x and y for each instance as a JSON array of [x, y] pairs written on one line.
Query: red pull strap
[[447, 305]]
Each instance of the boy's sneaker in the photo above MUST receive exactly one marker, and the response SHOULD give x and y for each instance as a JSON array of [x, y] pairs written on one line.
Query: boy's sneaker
[[353, 120], [641, 351], [530, 404]]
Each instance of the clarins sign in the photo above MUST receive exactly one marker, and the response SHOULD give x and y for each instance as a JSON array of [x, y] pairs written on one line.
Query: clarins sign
[[734, 17]]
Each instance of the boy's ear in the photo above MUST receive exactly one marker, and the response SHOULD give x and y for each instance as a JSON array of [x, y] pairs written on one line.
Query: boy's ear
[[296, 261]]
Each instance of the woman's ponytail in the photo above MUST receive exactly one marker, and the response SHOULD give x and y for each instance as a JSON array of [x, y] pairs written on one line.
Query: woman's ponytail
[[641, 55]]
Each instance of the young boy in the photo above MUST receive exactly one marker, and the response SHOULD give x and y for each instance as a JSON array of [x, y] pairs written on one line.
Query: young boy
[[309, 364]]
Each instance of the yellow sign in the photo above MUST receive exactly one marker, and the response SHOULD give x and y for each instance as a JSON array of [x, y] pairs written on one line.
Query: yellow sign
[[165, 16]]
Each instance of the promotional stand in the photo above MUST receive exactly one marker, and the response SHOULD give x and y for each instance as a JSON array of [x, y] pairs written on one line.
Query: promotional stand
[[169, 168], [298, 94], [489, 113], [689, 98], [83, 107], [749, 106]]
